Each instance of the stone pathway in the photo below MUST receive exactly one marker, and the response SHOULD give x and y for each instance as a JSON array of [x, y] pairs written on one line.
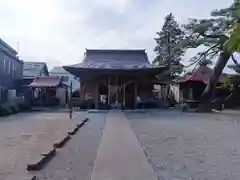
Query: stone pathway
[[120, 156]]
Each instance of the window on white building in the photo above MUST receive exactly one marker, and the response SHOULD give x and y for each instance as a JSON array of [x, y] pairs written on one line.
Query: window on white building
[[13, 68], [65, 78], [9, 67], [4, 65]]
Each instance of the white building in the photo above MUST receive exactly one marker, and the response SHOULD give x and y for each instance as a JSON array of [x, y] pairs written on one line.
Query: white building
[[67, 78]]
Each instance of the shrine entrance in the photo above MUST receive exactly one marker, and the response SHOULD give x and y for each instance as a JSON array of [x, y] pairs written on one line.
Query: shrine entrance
[[117, 93], [115, 78]]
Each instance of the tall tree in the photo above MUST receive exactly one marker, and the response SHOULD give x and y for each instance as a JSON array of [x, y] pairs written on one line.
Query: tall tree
[[212, 33], [233, 43], [167, 46]]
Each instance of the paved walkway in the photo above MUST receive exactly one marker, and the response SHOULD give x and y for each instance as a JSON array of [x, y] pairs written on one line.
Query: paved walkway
[[120, 156]]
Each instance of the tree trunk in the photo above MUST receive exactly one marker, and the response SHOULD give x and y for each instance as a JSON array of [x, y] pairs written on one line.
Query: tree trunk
[[217, 71]]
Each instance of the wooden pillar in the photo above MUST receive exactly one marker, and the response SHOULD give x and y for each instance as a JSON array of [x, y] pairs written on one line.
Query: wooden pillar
[[109, 90], [191, 93], [96, 96], [135, 94], [180, 99], [124, 95], [82, 92], [117, 90]]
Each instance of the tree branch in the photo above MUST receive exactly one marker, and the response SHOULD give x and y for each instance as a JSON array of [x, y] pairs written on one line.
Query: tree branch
[[212, 36], [203, 55], [235, 61], [214, 53]]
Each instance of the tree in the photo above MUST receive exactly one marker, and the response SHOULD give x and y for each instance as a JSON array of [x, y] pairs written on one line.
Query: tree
[[213, 33], [233, 43], [167, 46]]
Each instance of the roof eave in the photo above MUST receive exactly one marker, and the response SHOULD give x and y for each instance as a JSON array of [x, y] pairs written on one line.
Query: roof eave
[[77, 71]]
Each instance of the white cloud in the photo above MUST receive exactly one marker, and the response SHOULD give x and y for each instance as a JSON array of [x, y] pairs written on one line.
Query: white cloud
[[119, 6], [58, 31]]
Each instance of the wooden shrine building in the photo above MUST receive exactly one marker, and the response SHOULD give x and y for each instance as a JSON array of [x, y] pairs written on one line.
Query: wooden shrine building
[[116, 78]]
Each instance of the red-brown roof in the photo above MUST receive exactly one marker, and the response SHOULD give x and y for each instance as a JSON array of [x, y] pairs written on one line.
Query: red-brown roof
[[202, 74], [46, 81]]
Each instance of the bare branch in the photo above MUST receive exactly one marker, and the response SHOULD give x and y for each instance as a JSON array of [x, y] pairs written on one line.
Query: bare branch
[[203, 55], [213, 54]]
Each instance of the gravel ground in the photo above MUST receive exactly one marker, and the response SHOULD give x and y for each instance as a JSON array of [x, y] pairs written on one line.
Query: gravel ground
[[190, 146], [76, 159], [24, 136]]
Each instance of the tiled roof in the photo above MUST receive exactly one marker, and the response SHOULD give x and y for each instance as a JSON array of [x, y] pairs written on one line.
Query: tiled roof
[[7, 46], [202, 74], [46, 81], [33, 69], [114, 60]]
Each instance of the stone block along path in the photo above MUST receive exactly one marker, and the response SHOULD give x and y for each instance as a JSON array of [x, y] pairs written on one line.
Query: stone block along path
[[120, 156]]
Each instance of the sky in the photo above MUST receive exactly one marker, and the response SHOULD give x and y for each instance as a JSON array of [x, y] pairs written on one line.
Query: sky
[[59, 31]]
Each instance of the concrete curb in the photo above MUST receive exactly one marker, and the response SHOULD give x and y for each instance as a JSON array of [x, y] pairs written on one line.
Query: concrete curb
[[30, 178], [80, 125], [62, 142], [73, 131], [41, 161], [86, 120], [33, 178], [50, 152], [97, 111]]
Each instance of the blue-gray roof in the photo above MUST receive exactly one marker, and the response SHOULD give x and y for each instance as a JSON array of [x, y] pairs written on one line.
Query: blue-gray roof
[[113, 60], [9, 51], [7, 46], [33, 69]]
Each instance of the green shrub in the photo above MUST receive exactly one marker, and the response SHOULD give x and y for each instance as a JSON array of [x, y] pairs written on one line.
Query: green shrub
[[4, 111], [16, 108], [10, 111], [13, 109]]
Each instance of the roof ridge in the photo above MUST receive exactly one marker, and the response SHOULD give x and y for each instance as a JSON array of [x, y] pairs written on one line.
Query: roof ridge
[[36, 62], [127, 50], [7, 45]]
